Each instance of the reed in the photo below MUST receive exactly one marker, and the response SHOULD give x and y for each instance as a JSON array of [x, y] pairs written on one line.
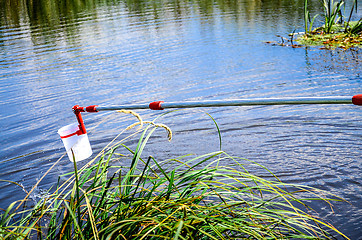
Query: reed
[[308, 22], [332, 13], [187, 197], [356, 27], [335, 32]]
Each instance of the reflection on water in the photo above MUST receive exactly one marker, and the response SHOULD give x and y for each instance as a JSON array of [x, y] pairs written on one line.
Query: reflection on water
[[55, 54], [338, 60], [42, 15]]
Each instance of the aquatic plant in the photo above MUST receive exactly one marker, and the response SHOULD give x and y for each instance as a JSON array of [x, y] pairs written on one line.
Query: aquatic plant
[[332, 41], [308, 23], [332, 13], [357, 26], [334, 33], [355, 29], [187, 197]]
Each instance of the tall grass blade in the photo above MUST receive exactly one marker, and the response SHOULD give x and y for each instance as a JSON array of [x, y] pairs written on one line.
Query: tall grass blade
[[75, 221], [218, 130], [179, 228], [91, 217]]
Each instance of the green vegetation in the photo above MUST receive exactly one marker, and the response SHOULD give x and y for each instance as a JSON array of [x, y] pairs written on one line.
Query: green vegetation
[[186, 197], [332, 14], [332, 40], [308, 23], [335, 32]]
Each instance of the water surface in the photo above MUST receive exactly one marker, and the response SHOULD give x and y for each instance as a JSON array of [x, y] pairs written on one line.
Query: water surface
[[58, 54]]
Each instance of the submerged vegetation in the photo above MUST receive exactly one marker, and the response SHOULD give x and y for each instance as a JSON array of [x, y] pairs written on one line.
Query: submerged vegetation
[[185, 197], [335, 32]]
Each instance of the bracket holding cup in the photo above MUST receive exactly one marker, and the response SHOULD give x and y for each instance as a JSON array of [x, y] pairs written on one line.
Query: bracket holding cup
[[75, 139]]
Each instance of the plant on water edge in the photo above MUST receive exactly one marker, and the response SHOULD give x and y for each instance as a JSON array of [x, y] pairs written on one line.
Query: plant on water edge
[[186, 197], [331, 41], [332, 34], [307, 20], [332, 13], [357, 26]]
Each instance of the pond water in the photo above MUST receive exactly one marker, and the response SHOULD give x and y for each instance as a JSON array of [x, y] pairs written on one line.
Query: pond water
[[55, 54]]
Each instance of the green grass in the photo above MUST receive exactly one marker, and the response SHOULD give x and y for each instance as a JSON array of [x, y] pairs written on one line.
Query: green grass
[[186, 197]]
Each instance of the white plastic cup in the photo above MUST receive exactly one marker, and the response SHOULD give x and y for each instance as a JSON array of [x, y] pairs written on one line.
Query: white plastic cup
[[79, 144]]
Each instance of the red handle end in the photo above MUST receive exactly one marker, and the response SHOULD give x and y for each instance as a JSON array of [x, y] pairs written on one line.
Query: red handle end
[[357, 99], [156, 105]]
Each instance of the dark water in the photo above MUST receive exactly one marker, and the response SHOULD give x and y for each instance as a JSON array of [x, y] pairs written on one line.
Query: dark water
[[55, 54]]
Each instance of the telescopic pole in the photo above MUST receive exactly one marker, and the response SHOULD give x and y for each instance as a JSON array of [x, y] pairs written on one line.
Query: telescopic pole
[[160, 105], [83, 149]]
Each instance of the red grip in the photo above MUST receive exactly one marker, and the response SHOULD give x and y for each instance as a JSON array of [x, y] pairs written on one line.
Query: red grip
[[92, 108], [357, 99], [156, 105]]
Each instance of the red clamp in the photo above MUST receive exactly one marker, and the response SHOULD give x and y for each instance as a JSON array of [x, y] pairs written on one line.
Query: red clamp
[[77, 111], [156, 105], [92, 108], [357, 99]]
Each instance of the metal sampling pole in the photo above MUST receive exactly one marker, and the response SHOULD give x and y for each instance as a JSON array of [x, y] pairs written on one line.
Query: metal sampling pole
[[160, 105]]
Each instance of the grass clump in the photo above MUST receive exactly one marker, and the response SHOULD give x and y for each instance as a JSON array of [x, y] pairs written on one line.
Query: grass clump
[[186, 197]]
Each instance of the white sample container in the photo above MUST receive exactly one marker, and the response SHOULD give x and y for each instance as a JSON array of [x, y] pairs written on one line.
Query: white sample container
[[75, 141]]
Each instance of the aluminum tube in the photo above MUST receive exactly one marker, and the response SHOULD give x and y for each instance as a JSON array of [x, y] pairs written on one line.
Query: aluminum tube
[[238, 102], [119, 107], [261, 101]]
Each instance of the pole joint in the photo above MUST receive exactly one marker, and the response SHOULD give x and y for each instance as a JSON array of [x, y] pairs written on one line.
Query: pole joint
[[357, 99], [77, 111], [156, 105]]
